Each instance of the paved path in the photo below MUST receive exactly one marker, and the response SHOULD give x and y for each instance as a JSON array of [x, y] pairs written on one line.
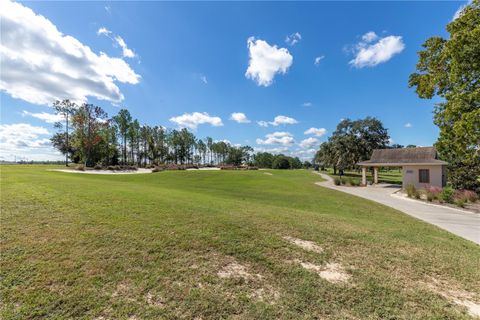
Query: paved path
[[460, 222]]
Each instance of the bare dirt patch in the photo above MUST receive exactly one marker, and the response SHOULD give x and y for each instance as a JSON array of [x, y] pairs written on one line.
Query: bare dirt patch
[[154, 300], [267, 294], [236, 270], [304, 244], [457, 296], [268, 173], [332, 272]]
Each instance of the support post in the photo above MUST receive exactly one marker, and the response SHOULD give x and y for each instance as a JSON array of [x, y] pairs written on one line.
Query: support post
[[364, 176], [375, 175]]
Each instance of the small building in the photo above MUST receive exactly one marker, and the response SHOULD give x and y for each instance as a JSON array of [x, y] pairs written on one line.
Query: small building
[[420, 166]]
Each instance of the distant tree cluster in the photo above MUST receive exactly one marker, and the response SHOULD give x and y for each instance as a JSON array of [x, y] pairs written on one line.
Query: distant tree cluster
[[352, 142], [88, 136], [450, 69], [280, 161]]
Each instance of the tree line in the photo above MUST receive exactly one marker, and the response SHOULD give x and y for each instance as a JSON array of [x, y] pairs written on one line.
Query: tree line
[[88, 136]]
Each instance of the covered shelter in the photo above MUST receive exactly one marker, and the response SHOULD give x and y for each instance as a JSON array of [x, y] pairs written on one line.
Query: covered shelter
[[420, 166]]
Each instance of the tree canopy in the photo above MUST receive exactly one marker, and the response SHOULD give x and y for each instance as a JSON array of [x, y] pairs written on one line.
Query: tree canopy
[[450, 69]]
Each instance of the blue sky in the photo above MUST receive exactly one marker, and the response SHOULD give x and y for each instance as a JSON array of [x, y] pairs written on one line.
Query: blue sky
[[194, 64]]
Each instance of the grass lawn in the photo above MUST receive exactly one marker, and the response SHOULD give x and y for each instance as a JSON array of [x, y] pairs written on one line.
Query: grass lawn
[[393, 176], [211, 245]]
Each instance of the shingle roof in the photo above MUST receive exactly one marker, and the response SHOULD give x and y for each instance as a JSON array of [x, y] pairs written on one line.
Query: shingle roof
[[421, 155]]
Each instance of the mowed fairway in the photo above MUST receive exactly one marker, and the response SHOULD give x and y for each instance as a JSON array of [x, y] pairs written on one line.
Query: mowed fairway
[[211, 245]]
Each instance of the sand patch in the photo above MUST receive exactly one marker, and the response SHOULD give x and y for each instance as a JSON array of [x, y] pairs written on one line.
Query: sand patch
[[236, 270], [138, 171], [154, 301], [459, 297], [332, 272], [268, 295], [268, 173], [304, 244]]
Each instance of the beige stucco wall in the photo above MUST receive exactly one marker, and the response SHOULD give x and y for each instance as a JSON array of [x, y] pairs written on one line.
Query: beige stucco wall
[[437, 176]]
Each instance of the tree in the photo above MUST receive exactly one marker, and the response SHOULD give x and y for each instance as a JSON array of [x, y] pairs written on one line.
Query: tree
[[66, 109], [450, 69], [134, 137], [263, 159], [123, 120], [281, 162], [88, 122]]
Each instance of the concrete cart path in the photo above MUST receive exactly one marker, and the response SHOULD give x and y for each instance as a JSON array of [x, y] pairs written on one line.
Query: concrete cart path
[[460, 222]]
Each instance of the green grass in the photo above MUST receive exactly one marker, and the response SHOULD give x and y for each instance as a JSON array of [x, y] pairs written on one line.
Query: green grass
[[150, 247], [393, 176]]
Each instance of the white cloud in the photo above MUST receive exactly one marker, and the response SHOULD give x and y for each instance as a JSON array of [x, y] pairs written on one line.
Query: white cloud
[[239, 117], [316, 131], [318, 59], [104, 31], [308, 143], [22, 140], [126, 52], [283, 120], [307, 104], [193, 120], [408, 125], [282, 138], [293, 39], [204, 79], [262, 123], [369, 37], [369, 53], [44, 116], [266, 61], [40, 64], [272, 150], [278, 120], [305, 154]]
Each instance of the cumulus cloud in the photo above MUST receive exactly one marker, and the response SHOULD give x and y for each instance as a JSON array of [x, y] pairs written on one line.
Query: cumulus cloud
[[40, 64], [278, 120], [293, 38], [308, 143], [275, 150], [19, 136], [282, 138], [307, 104], [318, 59], [316, 131], [266, 61], [239, 117], [372, 50], [193, 120], [44, 116], [408, 125]]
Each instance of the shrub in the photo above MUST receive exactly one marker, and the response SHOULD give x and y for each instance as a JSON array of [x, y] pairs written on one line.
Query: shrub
[[470, 195], [460, 202], [411, 190], [430, 195], [80, 167], [337, 181], [433, 193], [355, 182], [418, 194], [447, 194], [98, 166], [157, 169]]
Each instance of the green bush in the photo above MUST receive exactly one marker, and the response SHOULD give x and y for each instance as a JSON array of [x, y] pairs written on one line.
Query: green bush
[[460, 202], [447, 194], [354, 182], [411, 190], [337, 181], [430, 195]]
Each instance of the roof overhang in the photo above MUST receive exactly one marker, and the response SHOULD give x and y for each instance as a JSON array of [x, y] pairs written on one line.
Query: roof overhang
[[400, 164]]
